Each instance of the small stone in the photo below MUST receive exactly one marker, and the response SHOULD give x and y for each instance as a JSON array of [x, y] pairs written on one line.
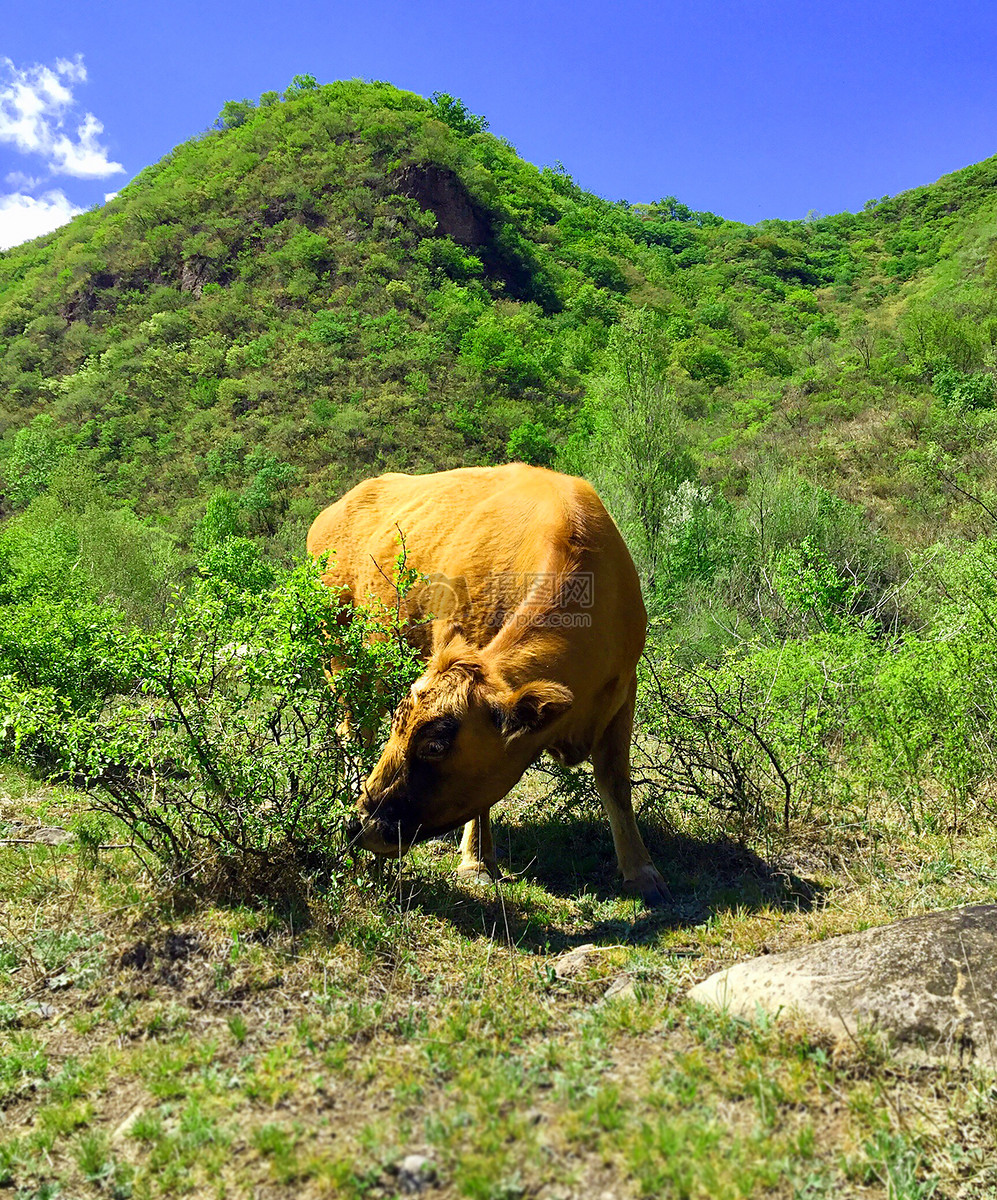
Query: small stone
[[416, 1172], [43, 835], [575, 961], [125, 1127], [33, 1013], [623, 987], [53, 835]]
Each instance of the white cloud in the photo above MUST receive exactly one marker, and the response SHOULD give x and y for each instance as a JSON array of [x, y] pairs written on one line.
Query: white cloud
[[24, 217], [35, 106], [72, 68], [18, 179], [109, 196]]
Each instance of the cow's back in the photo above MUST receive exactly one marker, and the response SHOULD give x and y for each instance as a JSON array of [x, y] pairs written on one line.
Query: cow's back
[[445, 520], [476, 531]]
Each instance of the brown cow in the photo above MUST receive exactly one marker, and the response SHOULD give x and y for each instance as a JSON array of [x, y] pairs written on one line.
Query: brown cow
[[531, 626]]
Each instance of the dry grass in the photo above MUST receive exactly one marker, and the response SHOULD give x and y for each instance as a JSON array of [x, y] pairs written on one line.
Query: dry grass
[[154, 1047]]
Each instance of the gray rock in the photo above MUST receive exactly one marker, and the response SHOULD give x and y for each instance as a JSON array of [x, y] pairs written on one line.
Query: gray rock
[[41, 835], [623, 987], [929, 981], [575, 961], [53, 835], [416, 1172], [34, 1012]]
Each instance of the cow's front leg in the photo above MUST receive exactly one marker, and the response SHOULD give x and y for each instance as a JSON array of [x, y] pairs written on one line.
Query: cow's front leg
[[611, 763], [477, 854]]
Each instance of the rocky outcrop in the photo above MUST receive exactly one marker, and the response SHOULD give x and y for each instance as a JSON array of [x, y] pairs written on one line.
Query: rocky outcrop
[[440, 191], [195, 272], [929, 981]]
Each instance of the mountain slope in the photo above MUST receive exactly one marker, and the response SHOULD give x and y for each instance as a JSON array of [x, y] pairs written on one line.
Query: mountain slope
[[341, 279], [351, 278]]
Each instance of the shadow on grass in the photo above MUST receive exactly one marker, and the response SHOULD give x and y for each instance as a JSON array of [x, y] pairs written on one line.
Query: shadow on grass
[[572, 858]]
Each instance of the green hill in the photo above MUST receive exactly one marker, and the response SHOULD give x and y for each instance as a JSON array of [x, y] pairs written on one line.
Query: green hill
[[350, 278], [204, 989]]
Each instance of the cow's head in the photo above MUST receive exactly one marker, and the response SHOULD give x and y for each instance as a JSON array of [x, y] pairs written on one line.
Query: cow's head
[[459, 741]]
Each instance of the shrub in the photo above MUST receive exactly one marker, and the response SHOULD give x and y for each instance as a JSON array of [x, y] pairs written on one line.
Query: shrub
[[708, 364], [265, 498], [964, 389], [220, 520], [529, 443], [38, 449], [829, 723], [71, 542], [454, 112], [798, 552], [703, 736], [809, 584], [214, 739]]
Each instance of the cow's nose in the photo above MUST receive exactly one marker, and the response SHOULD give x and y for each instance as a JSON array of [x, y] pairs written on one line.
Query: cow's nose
[[386, 810], [354, 830]]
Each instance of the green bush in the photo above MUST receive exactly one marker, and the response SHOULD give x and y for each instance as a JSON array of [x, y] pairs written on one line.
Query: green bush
[[73, 542], [455, 113], [529, 443], [810, 586], [213, 739], [37, 451], [833, 724], [702, 738], [708, 364], [965, 390]]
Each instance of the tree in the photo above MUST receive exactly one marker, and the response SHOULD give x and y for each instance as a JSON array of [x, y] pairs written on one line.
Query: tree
[[863, 339], [265, 499], [234, 113], [709, 364], [529, 443], [38, 449], [640, 456], [455, 113]]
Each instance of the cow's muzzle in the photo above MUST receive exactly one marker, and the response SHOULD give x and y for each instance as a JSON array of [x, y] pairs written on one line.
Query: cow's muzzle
[[381, 831], [379, 840]]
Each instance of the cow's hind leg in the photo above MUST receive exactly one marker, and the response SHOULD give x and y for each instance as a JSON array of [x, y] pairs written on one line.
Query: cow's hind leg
[[477, 854], [611, 760]]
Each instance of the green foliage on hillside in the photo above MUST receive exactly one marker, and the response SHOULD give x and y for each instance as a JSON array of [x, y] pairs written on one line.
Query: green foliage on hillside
[[350, 278], [347, 279]]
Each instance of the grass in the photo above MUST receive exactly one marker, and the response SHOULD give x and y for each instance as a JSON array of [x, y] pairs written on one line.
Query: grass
[[153, 1047]]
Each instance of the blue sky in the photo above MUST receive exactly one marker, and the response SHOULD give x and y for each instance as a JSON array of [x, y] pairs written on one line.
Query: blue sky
[[753, 110]]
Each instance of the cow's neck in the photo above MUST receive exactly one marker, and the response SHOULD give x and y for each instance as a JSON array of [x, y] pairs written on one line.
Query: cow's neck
[[529, 640], [514, 656], [520, 653]]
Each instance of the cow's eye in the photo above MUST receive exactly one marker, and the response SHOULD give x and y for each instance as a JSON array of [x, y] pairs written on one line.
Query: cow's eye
[[434, 740], [430, 751]]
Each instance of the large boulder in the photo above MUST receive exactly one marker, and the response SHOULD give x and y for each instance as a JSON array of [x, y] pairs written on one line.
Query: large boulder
[[930, 982]]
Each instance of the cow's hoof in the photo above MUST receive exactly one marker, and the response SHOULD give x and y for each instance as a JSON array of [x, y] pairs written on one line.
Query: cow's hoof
[[479, 875], [649, 885]]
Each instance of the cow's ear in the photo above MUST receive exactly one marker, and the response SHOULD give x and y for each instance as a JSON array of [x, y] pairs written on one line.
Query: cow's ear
[[445, 632], [534, 706]]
